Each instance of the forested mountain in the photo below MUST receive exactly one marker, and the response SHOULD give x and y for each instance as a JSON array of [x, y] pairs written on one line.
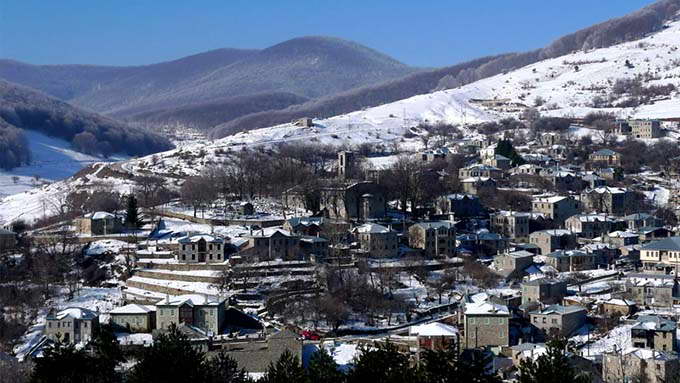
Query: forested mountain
[[307, 67], [614, 31], [25, 108], [235, 90]]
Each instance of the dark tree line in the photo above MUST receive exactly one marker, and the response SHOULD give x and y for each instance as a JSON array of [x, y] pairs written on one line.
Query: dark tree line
[[14, 150], [378, 363], [28, 109]]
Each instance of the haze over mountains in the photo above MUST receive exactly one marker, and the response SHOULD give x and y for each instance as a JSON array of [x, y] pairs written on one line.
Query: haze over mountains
[[230, 90]]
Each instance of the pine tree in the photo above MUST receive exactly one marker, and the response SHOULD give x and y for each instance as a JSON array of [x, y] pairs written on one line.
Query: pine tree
[[286, 370], [222, 368], [323, 369], [63, 363], [551, 367], [171, 358], [505, 148], [132, 213], [382, 364]]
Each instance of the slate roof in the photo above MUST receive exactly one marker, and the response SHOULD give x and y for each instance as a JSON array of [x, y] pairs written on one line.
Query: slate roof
[[670, 243]]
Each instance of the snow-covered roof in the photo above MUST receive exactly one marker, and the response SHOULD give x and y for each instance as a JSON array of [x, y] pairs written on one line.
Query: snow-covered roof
[[133, 308], [475, 179], [372, 228], [433, 329], [553, 232], [651, 280], [99, 215], [459, 196], [607, 189], [485, 308], [622, 234], [191, 299], [553, 199], [74, 312], [560, 310], [198, 237], [434, 224]]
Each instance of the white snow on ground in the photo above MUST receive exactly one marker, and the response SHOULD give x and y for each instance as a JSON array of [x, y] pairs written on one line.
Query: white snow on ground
[[52, 159], [94, 298], [617, 337], [342, 353]]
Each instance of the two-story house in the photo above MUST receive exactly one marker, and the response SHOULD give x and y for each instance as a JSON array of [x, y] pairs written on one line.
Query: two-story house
[[434, 239], [72, 325], [201, 311]]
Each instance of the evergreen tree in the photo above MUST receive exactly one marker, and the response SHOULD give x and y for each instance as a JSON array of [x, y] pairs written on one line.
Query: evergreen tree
[[382, 364], [505, 148], [222, 368], [323, 369], [132, 213], [171, 358], [551, 367], [446, 366], [63, 363], [108, 353], [287, 369]]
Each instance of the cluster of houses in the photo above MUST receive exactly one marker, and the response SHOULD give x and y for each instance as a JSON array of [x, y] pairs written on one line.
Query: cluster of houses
[[586, 229]]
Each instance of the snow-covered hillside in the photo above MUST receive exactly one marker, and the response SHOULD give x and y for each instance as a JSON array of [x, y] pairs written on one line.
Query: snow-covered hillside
[[52, 159], [565, 90]]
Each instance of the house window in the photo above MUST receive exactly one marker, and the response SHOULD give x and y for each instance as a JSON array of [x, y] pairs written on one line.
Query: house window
[[210, 246], [49, 324], [184, 247], [218, 246], [472, 321], [487, 321], [85, 324], [193, 257]]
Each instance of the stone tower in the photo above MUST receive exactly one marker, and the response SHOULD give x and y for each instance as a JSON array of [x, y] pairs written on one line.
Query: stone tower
[[345, 164]]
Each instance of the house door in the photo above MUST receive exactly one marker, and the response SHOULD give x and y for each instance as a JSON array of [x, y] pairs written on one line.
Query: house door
[[201, 250]]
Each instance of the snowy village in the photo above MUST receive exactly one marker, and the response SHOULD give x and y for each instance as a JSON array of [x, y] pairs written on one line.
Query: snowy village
[[517, 222]]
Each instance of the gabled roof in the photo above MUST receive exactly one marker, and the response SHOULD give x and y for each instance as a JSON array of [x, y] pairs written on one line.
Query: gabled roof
[[133, 309], [655, 323], [190, 299], [485, 308], [75, 313], [198, 237], [434, 225], [99, 215], [560, 310], [372, 228], [670, 243], [433, 329], [605, 152]]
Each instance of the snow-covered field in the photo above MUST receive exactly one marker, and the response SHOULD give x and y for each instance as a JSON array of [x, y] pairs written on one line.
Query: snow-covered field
[[52, 159]]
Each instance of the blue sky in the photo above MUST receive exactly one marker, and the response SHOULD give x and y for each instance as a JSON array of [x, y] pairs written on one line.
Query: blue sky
[[422, 33]]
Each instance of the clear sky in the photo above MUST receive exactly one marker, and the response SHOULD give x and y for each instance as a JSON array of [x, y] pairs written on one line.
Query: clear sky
[[417, 32]]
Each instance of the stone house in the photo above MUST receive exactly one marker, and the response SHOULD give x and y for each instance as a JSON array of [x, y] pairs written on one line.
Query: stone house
[[562, 179], [651, 233], [434, 154], [621, 238], [8, 240], [544, 290], [377, 240], [99, 223], [480, 170], [592, 225], [498, 161], [656, 290], [304, 122], [311, 226], [460, 205], [511, 265], [357, 201], [72, 325], [637, 221], [558, 320], [134, 317], [661, 255], [606, 199], [511, 224], [483, 242], [316, 246], [474, 185], [655, 333], [617, 306], [273, 243], [200, 311], [435, 336], [486, 324], [526, 169], [645, 128], [640, 365], [551, 240], [201, 248], [435, 239], [557, 208], [549, 139], [591, 181], [605, 157], [572, 260]]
